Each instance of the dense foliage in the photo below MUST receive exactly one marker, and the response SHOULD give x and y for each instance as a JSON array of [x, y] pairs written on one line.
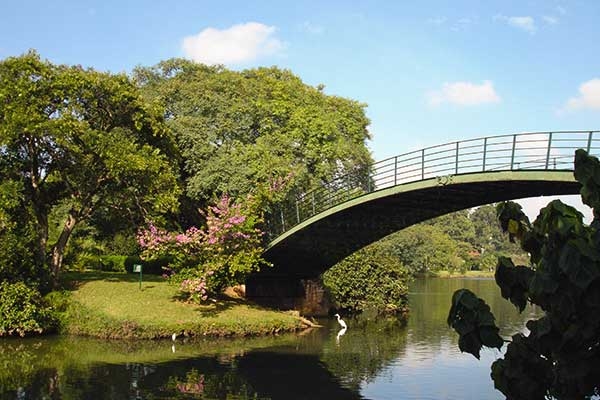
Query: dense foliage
[[83, 139], [424, 248], [23, 311], [17, 238], [255, 130], [368, 280], [87, 157], [457, 242], [85, 160], [561, 354]]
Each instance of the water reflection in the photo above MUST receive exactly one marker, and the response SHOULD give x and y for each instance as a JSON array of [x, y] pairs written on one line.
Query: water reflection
[[340, 333], [288, 367], [375, 359], [432, 366]]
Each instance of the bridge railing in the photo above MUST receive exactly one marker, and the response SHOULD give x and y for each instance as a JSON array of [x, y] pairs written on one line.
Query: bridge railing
[[524, 151]]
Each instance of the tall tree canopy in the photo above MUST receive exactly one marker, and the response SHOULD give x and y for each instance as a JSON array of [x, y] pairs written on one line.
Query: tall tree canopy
[[489, 236], [457, 241], [84, 138], [259, 128], [423, 248]]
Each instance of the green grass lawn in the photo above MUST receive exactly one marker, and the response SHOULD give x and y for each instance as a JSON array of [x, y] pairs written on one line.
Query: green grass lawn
[[112, 305]]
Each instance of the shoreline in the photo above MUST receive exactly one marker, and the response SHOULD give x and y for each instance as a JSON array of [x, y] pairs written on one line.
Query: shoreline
[[115, 306], [451, 275]]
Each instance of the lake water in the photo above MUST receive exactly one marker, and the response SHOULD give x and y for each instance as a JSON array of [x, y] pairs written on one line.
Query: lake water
[[371, 360]]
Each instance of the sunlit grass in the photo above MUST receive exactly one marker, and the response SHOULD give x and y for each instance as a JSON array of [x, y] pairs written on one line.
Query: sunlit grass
[[113, 305], [466, 274]]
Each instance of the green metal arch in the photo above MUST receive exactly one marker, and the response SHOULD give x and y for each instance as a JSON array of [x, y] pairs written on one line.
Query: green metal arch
[[322, 240]]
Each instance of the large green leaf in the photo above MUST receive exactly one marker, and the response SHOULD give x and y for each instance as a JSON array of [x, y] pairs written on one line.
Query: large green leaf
[[472, 319], [513, 281]]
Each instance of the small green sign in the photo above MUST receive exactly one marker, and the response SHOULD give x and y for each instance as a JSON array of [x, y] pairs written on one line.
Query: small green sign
[[138, 268]]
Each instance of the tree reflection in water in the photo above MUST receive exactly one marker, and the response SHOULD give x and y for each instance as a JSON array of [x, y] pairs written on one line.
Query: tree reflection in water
[[377, 358], [290, 367]]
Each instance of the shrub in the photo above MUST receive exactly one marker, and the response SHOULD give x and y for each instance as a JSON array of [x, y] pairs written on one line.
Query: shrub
[[113, 263], [368, 280], [23, 311]]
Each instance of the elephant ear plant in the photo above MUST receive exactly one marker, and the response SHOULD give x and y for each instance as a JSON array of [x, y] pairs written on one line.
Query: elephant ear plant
[[560, 355]]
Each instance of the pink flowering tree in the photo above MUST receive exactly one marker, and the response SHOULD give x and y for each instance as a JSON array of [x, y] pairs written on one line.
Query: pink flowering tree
[[205, 261], [233, 246]]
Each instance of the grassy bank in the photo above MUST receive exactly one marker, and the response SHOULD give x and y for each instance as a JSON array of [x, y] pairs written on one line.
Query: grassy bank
[[111, 305], [466, 274]]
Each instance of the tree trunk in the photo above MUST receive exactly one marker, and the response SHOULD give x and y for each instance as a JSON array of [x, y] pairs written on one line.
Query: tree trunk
[[41, 236], [40, 211], [58, 250]]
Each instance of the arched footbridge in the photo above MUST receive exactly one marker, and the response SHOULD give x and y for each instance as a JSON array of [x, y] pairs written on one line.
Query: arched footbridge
[[321, 227]]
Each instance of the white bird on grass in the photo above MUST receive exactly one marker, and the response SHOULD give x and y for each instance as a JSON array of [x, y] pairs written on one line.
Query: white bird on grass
[[341, 321]]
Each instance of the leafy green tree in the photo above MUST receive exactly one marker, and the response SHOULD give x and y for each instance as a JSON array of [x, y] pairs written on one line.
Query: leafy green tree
[[489, 236], [424, 248], [369, 280], [260, 131], [458, 225], [83, 138], [560, 355]]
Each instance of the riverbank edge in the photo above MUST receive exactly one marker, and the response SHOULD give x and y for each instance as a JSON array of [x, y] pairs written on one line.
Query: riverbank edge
[[79, 320], [109, 305], [452, 274]]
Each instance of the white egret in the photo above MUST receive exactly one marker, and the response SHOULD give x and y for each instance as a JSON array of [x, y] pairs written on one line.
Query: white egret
[[174, 336], [341, 321]]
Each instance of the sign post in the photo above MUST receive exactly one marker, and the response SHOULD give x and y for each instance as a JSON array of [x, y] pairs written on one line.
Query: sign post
[[138, 268]]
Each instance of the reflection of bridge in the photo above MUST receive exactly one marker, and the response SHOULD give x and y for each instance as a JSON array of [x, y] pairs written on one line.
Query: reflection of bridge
[[324, 225]]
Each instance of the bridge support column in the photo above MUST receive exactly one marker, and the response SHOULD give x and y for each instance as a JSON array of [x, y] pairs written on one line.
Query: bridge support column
[[305, 295]]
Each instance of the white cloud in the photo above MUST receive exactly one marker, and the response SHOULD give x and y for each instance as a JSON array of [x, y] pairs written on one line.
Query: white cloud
[[526, 23], [238, 44], [550, 19], [589, 96], [464, 94]]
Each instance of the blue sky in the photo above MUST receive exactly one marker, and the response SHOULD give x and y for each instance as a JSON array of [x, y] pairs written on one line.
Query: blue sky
[[430, 71]]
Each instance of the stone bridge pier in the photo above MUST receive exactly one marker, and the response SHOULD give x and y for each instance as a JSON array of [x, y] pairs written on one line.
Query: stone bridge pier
[[284, 292]]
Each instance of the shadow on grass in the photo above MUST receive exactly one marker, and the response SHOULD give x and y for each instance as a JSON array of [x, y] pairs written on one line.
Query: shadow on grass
[[215, 306], [72, 280]]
